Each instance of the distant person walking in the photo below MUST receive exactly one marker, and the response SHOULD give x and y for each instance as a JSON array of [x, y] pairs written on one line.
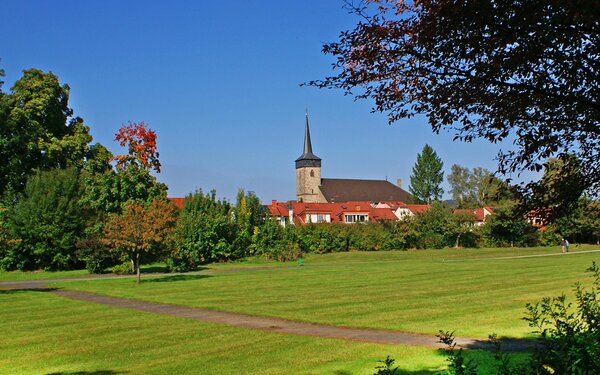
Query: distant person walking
[[564, 245]]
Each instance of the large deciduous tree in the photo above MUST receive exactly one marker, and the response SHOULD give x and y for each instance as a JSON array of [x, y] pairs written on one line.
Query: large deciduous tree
[[474, 187], [427, 176], [559, 190], [526, 71], [37, 130]]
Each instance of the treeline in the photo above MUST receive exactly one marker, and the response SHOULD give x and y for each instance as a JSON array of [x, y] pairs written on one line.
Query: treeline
[[211, 230], [67, 203]]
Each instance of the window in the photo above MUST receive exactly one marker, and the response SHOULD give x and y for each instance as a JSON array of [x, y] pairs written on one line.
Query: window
[[356, 218], [312, 173]]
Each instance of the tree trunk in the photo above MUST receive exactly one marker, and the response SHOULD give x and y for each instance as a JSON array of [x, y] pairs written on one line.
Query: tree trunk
[[457, 243], [132, 263], [137, 259]]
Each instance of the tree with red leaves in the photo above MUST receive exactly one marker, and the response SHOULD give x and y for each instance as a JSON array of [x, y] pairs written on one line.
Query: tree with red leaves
[[526, 71], [141, 145]]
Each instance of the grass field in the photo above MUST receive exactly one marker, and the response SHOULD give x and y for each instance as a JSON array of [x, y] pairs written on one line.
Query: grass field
[[472, 291]]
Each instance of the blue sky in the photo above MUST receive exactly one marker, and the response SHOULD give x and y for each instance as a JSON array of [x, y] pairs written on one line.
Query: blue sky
[[219, 82]]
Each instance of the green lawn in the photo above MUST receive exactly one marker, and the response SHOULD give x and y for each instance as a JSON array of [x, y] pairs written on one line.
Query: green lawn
[[45, 334], [469, 291]]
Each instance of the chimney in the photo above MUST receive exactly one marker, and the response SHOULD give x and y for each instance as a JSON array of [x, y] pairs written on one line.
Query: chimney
[[399, 183]]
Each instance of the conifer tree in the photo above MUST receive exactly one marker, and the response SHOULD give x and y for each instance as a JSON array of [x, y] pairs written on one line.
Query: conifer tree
[[427, 176]]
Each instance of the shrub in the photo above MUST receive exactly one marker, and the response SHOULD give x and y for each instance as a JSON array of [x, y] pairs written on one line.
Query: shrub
[[204, 232], [49, 222], [569, 335]]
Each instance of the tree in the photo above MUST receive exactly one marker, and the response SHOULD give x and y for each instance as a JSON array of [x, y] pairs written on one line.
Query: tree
[[140, 230], [426, 177], [508, 227], [48, 221], [435, 228], [109, 190], [460, 185], [475, 187], [485, 69], [249, 214], [205, 232], [141, 146], [463, 225], [37, 130]]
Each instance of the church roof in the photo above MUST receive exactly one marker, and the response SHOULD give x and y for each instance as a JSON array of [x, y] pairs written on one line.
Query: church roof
[[307, 159], [344, 190]]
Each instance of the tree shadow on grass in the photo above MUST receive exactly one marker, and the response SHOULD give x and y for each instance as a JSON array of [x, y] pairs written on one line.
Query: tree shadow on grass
[[399, 371], [163, 269], [507, 344], [97, 372], [22, 289], [168, 279]]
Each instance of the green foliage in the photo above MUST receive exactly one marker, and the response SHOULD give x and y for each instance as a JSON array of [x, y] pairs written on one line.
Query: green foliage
[[49, 221], [579, 225], [427, 176], [474, 188], [204, 233], [569, 335], [386, 367], [457, 363], [558, 192], [508, 227], [111, 191], [35, 130], [248, 215], [435, 228]]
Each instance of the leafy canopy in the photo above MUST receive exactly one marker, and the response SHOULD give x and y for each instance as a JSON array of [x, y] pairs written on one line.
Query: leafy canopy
[[527, 71], [37, 130]]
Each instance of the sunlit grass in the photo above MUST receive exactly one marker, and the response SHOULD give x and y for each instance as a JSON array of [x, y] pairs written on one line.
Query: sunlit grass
[[43, 334], [467, 290]]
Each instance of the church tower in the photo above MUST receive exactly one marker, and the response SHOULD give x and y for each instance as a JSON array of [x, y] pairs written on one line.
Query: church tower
[[308, 173]]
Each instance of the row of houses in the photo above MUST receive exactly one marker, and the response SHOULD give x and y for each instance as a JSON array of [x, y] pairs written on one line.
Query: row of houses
[[299, 213]]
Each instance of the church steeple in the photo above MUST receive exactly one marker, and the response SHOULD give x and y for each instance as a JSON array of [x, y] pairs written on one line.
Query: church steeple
[[307, 159]]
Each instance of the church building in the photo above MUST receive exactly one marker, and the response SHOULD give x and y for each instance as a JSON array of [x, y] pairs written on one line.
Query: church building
[[311, 188]]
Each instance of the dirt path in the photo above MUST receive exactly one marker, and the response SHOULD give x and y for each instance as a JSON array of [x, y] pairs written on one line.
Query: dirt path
[[288, 327]]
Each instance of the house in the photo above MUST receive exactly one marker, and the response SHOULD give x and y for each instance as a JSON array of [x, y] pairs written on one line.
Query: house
[[300, 213], [402, 210], [479, 214]]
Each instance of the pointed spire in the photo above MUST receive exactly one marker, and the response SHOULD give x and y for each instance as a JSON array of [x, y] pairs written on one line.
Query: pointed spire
[[307, 143], [307, 159]]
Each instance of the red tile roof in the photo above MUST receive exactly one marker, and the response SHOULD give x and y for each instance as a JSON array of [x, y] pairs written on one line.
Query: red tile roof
[[178, 202], [336, 211], [279, 209], [478, 213]]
